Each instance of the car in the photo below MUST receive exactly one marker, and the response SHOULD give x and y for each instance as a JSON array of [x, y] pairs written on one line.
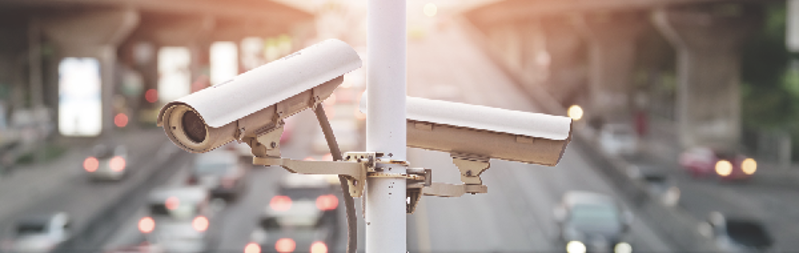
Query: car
[[303, 217], [220, 172], [107, 161], [726, 165], [618, 139], [736, 234], [592, 222], [40, 233], [179, 219]]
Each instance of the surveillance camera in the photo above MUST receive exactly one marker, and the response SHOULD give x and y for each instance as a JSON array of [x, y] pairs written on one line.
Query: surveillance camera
[[256, 102], [484, 132]]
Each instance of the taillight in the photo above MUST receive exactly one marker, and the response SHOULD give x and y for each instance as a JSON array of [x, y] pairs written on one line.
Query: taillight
[[280, 203], [117, 163], [91, 164], [318, 247], [146, 225], [723, 168], [285, 245], [172, 203], [327, 202], [200, 223], [749, 166], [252, 248]]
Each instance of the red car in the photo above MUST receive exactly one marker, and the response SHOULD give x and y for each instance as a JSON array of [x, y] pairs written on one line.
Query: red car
[[702, 162]]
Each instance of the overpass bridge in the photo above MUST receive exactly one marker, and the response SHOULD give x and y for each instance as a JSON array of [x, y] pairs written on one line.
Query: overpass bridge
[[36, 34], [589, 52]]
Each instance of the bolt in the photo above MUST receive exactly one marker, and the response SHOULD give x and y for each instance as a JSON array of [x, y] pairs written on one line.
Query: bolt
[[274, 144], [390, 154]]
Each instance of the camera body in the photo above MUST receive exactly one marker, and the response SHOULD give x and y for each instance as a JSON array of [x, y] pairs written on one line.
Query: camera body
[[475, 131], [256, 102]]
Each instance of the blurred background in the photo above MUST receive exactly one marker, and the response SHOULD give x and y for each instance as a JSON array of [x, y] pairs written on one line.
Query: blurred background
[[685, 139]]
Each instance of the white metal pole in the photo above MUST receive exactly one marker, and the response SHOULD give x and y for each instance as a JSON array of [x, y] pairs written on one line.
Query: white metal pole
[[385, 124]]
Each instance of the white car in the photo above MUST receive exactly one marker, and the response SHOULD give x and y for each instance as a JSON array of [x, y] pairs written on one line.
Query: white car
[[41, 233], [302, 218], [618, 139], [107, 162], [179, 219]]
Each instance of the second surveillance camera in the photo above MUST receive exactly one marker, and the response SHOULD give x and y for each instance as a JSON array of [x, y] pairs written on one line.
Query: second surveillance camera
[[257, 101], [484, 132]]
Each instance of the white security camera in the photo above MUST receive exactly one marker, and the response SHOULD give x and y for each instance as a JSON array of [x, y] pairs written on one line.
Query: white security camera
[[480, 132], [256, 102]]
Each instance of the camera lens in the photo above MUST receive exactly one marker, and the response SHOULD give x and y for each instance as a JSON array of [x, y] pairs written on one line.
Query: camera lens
[[193, 126]]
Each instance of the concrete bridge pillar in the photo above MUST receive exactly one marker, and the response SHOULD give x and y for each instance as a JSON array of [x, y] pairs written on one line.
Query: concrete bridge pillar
[[707, 39], [93, 34], [193, 33], [565, 56], [611, 39]]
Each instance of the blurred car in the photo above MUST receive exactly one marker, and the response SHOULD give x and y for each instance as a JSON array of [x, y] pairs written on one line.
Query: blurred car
[[592, 222], [736, 234], [703, 161], [618, 139], [220, 172], [179, 219], [347, 136], [107, 162], [40, 233], [302, 218], [658, 184]]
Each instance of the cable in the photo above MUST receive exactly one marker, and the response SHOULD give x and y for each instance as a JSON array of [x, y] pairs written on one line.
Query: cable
[[352, 225]]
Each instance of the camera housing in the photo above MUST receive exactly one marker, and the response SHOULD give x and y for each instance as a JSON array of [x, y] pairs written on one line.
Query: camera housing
[[474, 132], [256, 102]]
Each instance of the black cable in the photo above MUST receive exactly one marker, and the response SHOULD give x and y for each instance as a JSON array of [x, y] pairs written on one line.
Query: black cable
[[352, 225]]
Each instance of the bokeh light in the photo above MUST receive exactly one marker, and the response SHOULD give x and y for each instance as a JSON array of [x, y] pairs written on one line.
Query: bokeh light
[[749, 166], [280, 203], [146, 225], [318, 247], [575, 112], [575, 247], [723, 168], [430, 9], [121, 120], [200, 223], [172, 203], [91, 164], [252, 248], [117, 163], [151, 95], [285, 245]]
